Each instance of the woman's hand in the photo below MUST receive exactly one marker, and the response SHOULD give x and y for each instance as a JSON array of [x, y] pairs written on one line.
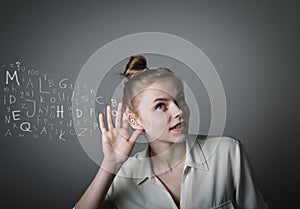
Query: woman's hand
[[117, 143]]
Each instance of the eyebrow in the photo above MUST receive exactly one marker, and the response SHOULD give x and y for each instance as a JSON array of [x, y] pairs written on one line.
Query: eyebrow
[[179, 94], [160, 99], [166, 99]]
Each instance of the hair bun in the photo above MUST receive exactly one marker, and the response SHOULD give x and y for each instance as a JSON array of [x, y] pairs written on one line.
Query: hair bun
[[135, 65]]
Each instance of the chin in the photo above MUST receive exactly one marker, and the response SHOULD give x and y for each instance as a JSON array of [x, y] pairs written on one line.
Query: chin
[[181, 138]]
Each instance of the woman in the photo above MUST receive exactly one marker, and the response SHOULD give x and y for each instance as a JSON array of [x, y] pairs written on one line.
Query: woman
[[177, 170]]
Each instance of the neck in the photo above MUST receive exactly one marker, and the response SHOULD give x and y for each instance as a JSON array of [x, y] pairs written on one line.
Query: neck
[[166, 156]]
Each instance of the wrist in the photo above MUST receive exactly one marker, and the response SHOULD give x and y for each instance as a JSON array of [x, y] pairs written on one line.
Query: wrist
[[110, 166]]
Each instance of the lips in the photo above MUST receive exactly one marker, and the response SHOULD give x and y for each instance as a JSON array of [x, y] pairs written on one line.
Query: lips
[[177, 126]]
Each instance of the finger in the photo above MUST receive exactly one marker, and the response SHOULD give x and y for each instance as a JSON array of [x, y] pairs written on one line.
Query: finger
[[125, 124], [119, 115], [102, 124], [135, 135], [109, 117]]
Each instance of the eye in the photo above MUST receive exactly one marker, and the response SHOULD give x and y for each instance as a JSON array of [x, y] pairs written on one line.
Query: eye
[[180, 100], [160, 106]]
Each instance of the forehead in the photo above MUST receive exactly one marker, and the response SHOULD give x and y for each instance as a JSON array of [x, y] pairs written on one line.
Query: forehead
[[164, 86]]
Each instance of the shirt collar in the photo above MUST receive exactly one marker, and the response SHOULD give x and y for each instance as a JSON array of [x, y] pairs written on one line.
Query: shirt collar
[[195, 154], [145, 171], [195, 158]]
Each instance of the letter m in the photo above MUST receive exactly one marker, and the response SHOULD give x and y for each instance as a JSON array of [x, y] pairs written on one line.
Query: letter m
[[11, 77]]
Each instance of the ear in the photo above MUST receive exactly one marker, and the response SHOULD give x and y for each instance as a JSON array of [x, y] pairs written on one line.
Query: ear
[[132, 120]]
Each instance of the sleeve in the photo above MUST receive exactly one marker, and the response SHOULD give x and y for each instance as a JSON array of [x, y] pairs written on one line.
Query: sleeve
[[108, 201], [247, 193]]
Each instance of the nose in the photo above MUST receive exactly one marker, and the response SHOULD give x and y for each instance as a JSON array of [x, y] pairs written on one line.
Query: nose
[[175, 110]]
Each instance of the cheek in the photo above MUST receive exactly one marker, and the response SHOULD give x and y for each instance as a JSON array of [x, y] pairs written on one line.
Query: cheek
[[186, 111], [156, 124]]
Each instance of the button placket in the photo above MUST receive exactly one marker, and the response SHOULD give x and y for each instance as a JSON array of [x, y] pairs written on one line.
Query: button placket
[[159, 184], [184, 191]]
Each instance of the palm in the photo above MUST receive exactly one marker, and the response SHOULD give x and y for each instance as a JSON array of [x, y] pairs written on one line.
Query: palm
[[117, 143]]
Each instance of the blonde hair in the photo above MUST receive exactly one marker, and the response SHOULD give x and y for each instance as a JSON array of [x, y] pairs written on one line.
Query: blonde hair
[[139, 77]]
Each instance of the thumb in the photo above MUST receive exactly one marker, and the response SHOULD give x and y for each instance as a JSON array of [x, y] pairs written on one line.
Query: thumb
[[135, 135]]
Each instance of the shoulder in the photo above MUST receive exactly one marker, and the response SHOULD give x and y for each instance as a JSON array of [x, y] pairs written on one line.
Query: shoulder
[[135, 166], [217, 142], [218, 146]]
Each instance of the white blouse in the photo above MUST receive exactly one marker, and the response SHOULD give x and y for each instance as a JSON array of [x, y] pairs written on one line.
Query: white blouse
[[217, 174]]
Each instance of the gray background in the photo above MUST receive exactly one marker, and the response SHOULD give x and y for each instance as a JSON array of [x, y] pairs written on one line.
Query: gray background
[[254, 46]]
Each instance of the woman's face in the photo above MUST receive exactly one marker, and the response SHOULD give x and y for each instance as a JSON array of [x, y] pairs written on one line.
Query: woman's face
[[163, 112]]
